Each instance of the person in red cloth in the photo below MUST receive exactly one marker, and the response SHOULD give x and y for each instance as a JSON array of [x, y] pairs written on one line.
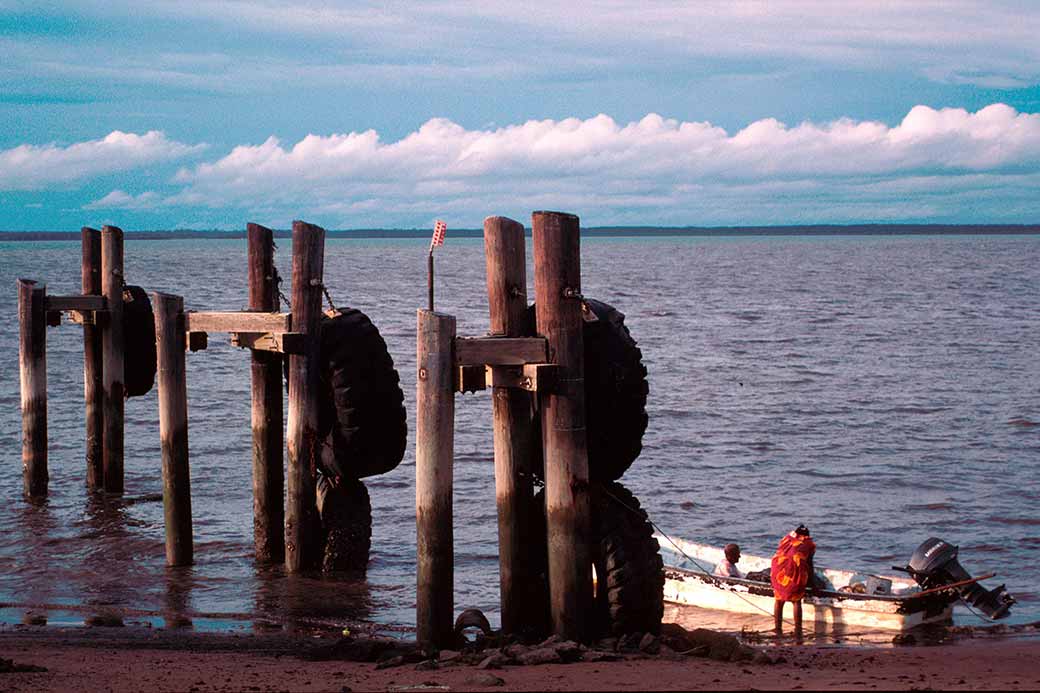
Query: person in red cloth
[[791, 574]]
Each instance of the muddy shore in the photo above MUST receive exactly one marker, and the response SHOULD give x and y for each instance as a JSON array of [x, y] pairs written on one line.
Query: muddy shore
[[129, 659]]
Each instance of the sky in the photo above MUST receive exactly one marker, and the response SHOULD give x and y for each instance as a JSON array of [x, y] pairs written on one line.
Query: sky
[[209, 115]]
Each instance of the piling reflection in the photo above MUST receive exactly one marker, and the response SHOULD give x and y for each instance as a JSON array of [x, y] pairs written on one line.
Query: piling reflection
[[114, 555], [309, 601], [177, 598], [37, 577]]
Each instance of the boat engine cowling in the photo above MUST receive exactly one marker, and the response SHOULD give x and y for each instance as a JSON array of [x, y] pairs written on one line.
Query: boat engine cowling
[[935, 564]]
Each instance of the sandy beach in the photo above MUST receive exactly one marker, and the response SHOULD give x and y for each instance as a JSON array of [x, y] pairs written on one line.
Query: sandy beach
[[131, 659]]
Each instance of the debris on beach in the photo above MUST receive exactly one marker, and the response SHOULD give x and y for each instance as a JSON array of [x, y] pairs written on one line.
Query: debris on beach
[[9, 666], [495, 651]]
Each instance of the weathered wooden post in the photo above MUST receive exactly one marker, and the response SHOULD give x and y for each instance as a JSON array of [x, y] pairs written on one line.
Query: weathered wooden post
[[268, 476], [93, 387], [173, 427], [112, 357], [32, 364], [434, 453], [514, 424], [558, 313], [304, 447]]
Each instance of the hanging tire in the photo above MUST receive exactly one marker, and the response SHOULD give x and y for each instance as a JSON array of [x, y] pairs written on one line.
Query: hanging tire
[[138, 342], [629, 595], [361, 413], [630, 585], [615, 393], [346, 520]]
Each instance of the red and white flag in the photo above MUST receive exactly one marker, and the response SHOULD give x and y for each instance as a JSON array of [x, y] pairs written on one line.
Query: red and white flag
[[439, 229]]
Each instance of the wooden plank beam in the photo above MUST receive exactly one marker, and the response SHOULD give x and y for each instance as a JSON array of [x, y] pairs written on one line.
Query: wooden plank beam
[[87, 317], [237, 321], [499, 351], [280, 342], [83, 303], [532, 377]]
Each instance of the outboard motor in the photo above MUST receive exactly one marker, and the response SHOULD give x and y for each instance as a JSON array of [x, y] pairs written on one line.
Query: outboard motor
[[935, 564]]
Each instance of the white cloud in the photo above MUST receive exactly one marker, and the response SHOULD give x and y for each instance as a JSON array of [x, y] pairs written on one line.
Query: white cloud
[[33, 167], [661, 170], [119, 199]]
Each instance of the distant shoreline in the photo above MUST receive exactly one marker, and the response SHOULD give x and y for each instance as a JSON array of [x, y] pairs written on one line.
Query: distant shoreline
[[595, 231]]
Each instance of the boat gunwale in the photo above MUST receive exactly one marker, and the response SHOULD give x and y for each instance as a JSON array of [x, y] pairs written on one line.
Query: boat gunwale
[[811, 595]]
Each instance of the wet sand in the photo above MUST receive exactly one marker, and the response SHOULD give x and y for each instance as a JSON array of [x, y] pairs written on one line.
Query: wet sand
[[133, 660]]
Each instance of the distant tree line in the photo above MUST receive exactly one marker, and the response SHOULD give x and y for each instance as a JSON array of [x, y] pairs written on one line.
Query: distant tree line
[[807, 230]]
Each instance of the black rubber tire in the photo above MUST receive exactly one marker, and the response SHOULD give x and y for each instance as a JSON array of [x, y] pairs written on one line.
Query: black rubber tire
[[362, 414], [629, 594], [138, 342], [615, 393], [346, 520], [628, 563]]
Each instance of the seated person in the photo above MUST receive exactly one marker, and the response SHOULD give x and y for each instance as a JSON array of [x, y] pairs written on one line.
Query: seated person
[[727, 567]]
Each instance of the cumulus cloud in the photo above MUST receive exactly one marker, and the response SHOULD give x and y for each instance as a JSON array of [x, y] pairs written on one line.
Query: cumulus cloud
[[119, 199], [34, 167], [654, 170]]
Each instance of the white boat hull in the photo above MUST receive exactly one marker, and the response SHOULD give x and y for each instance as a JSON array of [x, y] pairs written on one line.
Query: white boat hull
[[827, 611]]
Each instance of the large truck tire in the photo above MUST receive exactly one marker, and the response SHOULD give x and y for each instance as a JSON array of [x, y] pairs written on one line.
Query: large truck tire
[[139, 362], [361, 415], [630, 570], [615, 392], [629, 594], [346, 521]]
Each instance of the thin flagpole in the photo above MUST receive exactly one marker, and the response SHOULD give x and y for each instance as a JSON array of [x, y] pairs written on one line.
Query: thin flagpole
[[429, 277], [439, 230]]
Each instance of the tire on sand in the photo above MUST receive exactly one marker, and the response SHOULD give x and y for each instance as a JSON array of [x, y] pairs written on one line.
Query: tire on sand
[[615, 392], [346, 520], [138, 342], [629, 594], [361, 416]]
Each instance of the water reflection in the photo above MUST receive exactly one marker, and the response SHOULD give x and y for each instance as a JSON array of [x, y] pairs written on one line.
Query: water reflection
[[302, 602], [177, 599]]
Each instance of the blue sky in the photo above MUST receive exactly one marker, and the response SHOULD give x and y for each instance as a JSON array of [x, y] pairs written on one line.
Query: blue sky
[[171, 114]]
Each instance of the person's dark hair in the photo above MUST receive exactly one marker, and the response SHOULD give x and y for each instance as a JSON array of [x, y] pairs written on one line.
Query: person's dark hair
[[802, 530]]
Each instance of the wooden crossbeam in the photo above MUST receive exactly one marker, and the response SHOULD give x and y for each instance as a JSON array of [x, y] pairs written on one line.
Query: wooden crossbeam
[[238, 321], [63, 303], [280, 342], [533, 377], [499, 351]]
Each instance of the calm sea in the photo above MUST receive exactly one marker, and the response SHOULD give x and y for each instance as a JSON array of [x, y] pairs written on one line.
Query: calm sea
[[880, 389]]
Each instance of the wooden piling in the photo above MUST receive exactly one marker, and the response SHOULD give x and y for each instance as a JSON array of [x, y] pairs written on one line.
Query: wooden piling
[[559, 319], [173, 427], [434, 452], [112, 358], [514, 425], [32, 364], [268, 476], [304, 447], [93, 387]]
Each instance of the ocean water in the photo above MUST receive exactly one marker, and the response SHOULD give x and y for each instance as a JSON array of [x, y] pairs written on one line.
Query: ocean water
[[880, 389]]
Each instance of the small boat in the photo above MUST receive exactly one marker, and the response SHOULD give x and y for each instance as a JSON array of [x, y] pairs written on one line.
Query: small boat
[[847, 599]]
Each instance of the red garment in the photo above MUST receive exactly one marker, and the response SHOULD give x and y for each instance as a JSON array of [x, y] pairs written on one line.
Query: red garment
[[790, 569]]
